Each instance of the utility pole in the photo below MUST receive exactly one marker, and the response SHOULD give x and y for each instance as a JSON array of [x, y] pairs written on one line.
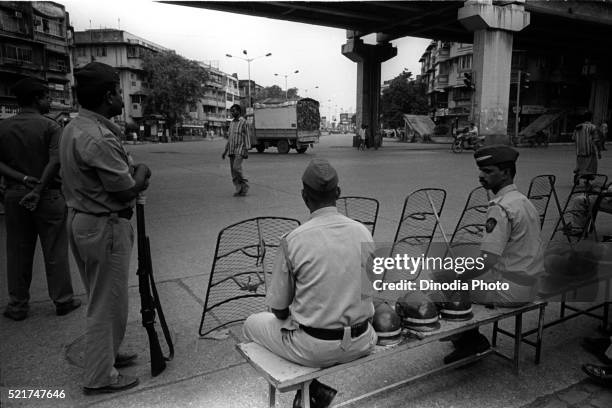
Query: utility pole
[[517, 107]]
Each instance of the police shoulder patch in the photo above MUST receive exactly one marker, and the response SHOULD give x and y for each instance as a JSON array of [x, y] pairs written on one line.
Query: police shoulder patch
[[490, 225]]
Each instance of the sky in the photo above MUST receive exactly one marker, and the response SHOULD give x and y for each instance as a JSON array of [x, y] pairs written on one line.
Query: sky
[[206, 35]]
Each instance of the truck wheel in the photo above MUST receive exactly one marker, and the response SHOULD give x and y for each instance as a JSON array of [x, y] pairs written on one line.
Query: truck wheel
[[260, 148], [283, 147], [302, 149]]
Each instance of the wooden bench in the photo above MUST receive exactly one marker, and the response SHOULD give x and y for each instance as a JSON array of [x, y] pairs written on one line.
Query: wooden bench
[[284, 376]]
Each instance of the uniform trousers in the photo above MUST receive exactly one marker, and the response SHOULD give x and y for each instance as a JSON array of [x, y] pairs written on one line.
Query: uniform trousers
[[23, 227], [284, 338], [237, 176], [102, 247]]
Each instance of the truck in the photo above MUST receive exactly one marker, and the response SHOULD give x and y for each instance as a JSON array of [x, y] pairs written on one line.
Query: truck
[[287, 125]]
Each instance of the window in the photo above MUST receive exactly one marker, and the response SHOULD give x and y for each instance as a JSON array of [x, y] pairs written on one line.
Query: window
[[48, 26], [81, 52], [12, 22], [465, 62], [100, 51], [23, 54], [133, 83], [132, 51]]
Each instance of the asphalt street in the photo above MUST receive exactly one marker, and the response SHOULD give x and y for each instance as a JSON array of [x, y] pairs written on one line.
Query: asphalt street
[[190, 200]]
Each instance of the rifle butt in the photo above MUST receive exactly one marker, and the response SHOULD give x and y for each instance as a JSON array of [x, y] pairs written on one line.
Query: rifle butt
[[158, 362]]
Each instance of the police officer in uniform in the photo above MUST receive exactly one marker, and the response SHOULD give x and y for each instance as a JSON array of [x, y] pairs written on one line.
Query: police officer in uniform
[[33, 201], [100, 185], [511, 245], [319, 298]]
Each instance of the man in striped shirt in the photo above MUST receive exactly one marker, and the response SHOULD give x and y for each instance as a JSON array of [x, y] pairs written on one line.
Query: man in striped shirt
[[237, 147], [587, 152]]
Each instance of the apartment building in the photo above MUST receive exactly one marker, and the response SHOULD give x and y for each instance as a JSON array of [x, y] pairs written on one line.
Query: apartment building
[[36, 40], [124, 51], [554, 88], [211, 113]]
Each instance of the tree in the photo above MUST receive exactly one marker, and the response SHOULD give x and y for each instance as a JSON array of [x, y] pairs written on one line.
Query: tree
[[175, 83], [404, 95]]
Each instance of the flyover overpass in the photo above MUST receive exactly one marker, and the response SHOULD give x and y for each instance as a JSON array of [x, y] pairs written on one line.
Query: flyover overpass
[[576, 28]]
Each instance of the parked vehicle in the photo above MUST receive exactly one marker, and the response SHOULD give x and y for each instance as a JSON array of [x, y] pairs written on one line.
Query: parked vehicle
[[288, 125], [465, 140]]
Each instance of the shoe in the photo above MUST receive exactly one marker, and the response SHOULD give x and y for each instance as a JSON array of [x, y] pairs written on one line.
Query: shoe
[[597, 347], [125, 359], [16, 315], [124, 382], [466, 349], [244, 191], [65, 308], [321, 395], [599, 374]]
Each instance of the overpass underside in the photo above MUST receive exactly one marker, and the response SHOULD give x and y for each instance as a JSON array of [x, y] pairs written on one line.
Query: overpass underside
[[580, 29]]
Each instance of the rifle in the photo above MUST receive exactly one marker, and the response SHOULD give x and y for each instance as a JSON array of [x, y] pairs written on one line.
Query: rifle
[[149, 298]]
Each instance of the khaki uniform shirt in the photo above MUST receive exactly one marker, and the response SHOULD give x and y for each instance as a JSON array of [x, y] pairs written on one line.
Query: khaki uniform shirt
[[94, 163], [319, 272], [513, 233], [28, 141]]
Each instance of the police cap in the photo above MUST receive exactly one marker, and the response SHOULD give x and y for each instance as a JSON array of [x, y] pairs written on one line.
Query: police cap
[[96, 74], [29, 86], [495, 154], [320, 176]]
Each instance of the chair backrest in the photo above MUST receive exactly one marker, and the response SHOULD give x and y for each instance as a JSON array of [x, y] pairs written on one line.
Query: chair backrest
[[417, 225], [471, 224], [541, 189], [361, 209], [244, 256], [577, 216]]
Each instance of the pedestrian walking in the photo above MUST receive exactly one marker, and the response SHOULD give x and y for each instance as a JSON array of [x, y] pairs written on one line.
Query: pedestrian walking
[[33, 201], [101, 184], [363, 134], [587, 152], [237, 147]]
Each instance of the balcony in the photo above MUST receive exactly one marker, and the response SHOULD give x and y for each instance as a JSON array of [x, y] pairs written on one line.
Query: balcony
[[441, 81]]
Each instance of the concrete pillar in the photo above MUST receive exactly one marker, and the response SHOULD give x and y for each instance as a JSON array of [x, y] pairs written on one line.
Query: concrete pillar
[[368, 58], [492, 57]]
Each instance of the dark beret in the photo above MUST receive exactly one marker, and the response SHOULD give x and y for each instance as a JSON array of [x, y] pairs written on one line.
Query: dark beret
[[495, 154], [320, 175], [96, 74], [29, 86]]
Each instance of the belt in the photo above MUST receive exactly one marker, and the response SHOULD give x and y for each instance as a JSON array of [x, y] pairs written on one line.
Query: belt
[[335, 334], [126, 213]]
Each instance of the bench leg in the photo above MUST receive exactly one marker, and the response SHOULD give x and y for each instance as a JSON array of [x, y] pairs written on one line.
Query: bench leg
[[562, 307], [518, 339], [539, 335], [272, 396], [306, 394], [494, 335]]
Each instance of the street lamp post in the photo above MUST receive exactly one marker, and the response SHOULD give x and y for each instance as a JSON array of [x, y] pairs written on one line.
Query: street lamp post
[[286, 75], [248, 60]]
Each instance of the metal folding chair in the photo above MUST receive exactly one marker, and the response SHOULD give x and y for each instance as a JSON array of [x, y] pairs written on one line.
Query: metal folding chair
[[244, 255], [541, 189], [361, 209], [586, 193]]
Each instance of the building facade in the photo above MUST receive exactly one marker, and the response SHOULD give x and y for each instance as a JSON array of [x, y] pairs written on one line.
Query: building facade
[[36, 40], [123, 51], [556, 89]]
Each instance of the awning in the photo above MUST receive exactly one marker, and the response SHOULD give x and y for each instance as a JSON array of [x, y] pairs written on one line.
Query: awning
[[541, 123], [422, 125]]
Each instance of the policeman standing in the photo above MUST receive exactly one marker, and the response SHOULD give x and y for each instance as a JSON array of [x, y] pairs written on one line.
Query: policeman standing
[[320, 309], [33, 201], [100, 184], [511, 245]]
